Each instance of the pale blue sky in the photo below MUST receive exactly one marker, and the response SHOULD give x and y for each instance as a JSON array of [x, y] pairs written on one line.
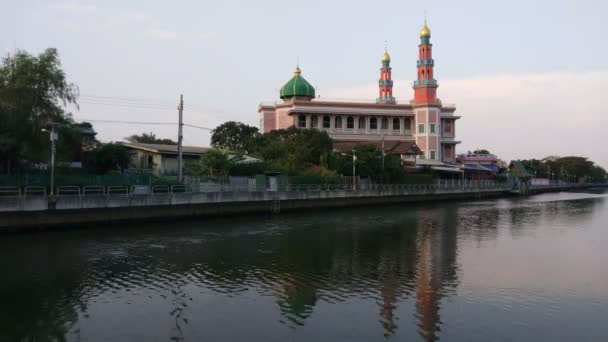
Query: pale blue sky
[[520, 72]]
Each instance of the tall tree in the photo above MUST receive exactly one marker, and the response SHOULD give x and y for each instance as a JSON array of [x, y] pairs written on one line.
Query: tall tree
[[33, 93], [234, 136], [214, 162], [106, 158], [567, 168], [149, 138], [291, 150], [369, 164]]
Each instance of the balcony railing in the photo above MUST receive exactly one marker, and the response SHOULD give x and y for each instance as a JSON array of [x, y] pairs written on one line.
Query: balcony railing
[[431, 82], [362, 131], [426, 61]]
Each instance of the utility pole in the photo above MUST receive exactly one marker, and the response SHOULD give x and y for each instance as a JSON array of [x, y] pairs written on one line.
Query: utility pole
[[53, 151], [382, 132], [354, 170], [53, 137], [180, 137]]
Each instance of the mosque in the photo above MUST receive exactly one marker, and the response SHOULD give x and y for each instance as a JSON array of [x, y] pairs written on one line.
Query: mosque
[[422, 131]]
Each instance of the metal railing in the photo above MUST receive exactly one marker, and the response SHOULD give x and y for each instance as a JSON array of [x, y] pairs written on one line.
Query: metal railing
[[75, 197]]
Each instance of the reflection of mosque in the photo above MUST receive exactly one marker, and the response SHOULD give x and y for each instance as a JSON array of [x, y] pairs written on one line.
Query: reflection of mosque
[[398, 258], [436, 270], [411, 257], [408, 257]]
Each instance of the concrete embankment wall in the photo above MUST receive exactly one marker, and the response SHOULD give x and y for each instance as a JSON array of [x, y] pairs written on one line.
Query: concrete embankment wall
[[26, 220]]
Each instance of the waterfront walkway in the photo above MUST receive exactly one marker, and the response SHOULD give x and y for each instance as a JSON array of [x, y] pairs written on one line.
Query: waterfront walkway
[[76, 206], [74, 197]]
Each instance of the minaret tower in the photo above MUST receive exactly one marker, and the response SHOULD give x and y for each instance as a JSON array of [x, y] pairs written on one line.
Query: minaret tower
[[385, 83], [425, 86]]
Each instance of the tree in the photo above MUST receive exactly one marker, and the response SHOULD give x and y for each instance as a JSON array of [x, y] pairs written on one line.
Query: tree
[[33, 93], [234, 136], [566, 168], [481, 151], [149, 138], [369, 164], [214, 162], [106, 158], [291, 151]]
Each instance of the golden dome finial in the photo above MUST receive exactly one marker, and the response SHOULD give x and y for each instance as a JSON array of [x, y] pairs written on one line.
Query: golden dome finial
[[425, 32], [386, 57], [297, 72]]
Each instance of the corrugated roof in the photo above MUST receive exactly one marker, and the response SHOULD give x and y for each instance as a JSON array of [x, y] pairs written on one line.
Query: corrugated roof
[[166, 149]]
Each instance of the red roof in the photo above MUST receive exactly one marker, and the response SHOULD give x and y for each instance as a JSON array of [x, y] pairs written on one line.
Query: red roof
[[390, 146]]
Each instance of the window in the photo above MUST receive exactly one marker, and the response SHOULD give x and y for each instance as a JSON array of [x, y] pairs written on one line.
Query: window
[[396, 124], [421, 128], [433, 128], [314, 121], [350, 122], [302, 121], [384, 123], [373, 123], [362, 124], [338, 123], [326, 122], [447, 128], [433, 155], [408, 123]]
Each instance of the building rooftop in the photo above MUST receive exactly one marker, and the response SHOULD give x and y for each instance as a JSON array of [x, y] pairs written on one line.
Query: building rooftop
[[166, 149]]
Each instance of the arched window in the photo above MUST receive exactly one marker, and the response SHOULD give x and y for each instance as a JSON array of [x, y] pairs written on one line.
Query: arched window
[[338, 123], [302, 121], [396, 124], [373, 123], [407, 124], [362, 124], [350, 122], [314, 121], [326, 121], [384, 123]]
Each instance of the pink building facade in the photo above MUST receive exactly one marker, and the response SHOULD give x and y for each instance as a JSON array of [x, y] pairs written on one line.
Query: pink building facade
[[424, 127]]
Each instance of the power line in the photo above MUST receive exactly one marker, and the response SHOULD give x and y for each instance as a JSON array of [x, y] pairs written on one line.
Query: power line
[[129, 122], [125, 104], [153, 107], [141, 101], [128, 99], [144, 103], [143, 123], [199, 127]]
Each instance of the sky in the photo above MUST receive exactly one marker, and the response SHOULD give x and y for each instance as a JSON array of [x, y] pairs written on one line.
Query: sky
[[529, 78]]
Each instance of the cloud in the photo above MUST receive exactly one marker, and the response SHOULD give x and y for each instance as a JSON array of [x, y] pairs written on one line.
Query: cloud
[[208, 35], [129, 16], [73, 7], [161, 34], [521, 115]]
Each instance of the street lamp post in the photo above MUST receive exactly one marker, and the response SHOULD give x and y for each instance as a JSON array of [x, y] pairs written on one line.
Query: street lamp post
[[354, 155], [354, 170], [53, 135]]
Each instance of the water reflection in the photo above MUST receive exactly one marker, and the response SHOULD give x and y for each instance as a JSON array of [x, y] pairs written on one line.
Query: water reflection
[[405, 261]]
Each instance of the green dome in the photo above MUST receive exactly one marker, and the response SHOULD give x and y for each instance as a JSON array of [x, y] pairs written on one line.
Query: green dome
[[297, 86]]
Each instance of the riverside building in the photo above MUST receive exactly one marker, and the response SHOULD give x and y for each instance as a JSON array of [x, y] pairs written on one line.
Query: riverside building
[[423, 129]]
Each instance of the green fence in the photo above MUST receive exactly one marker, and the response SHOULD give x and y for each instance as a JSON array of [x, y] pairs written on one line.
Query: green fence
[[44, 179]]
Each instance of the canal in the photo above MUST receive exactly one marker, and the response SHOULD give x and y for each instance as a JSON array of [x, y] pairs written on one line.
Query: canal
[[520, 269]]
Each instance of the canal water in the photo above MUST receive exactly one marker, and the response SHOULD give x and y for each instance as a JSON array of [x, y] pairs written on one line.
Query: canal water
[[522, 269]]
